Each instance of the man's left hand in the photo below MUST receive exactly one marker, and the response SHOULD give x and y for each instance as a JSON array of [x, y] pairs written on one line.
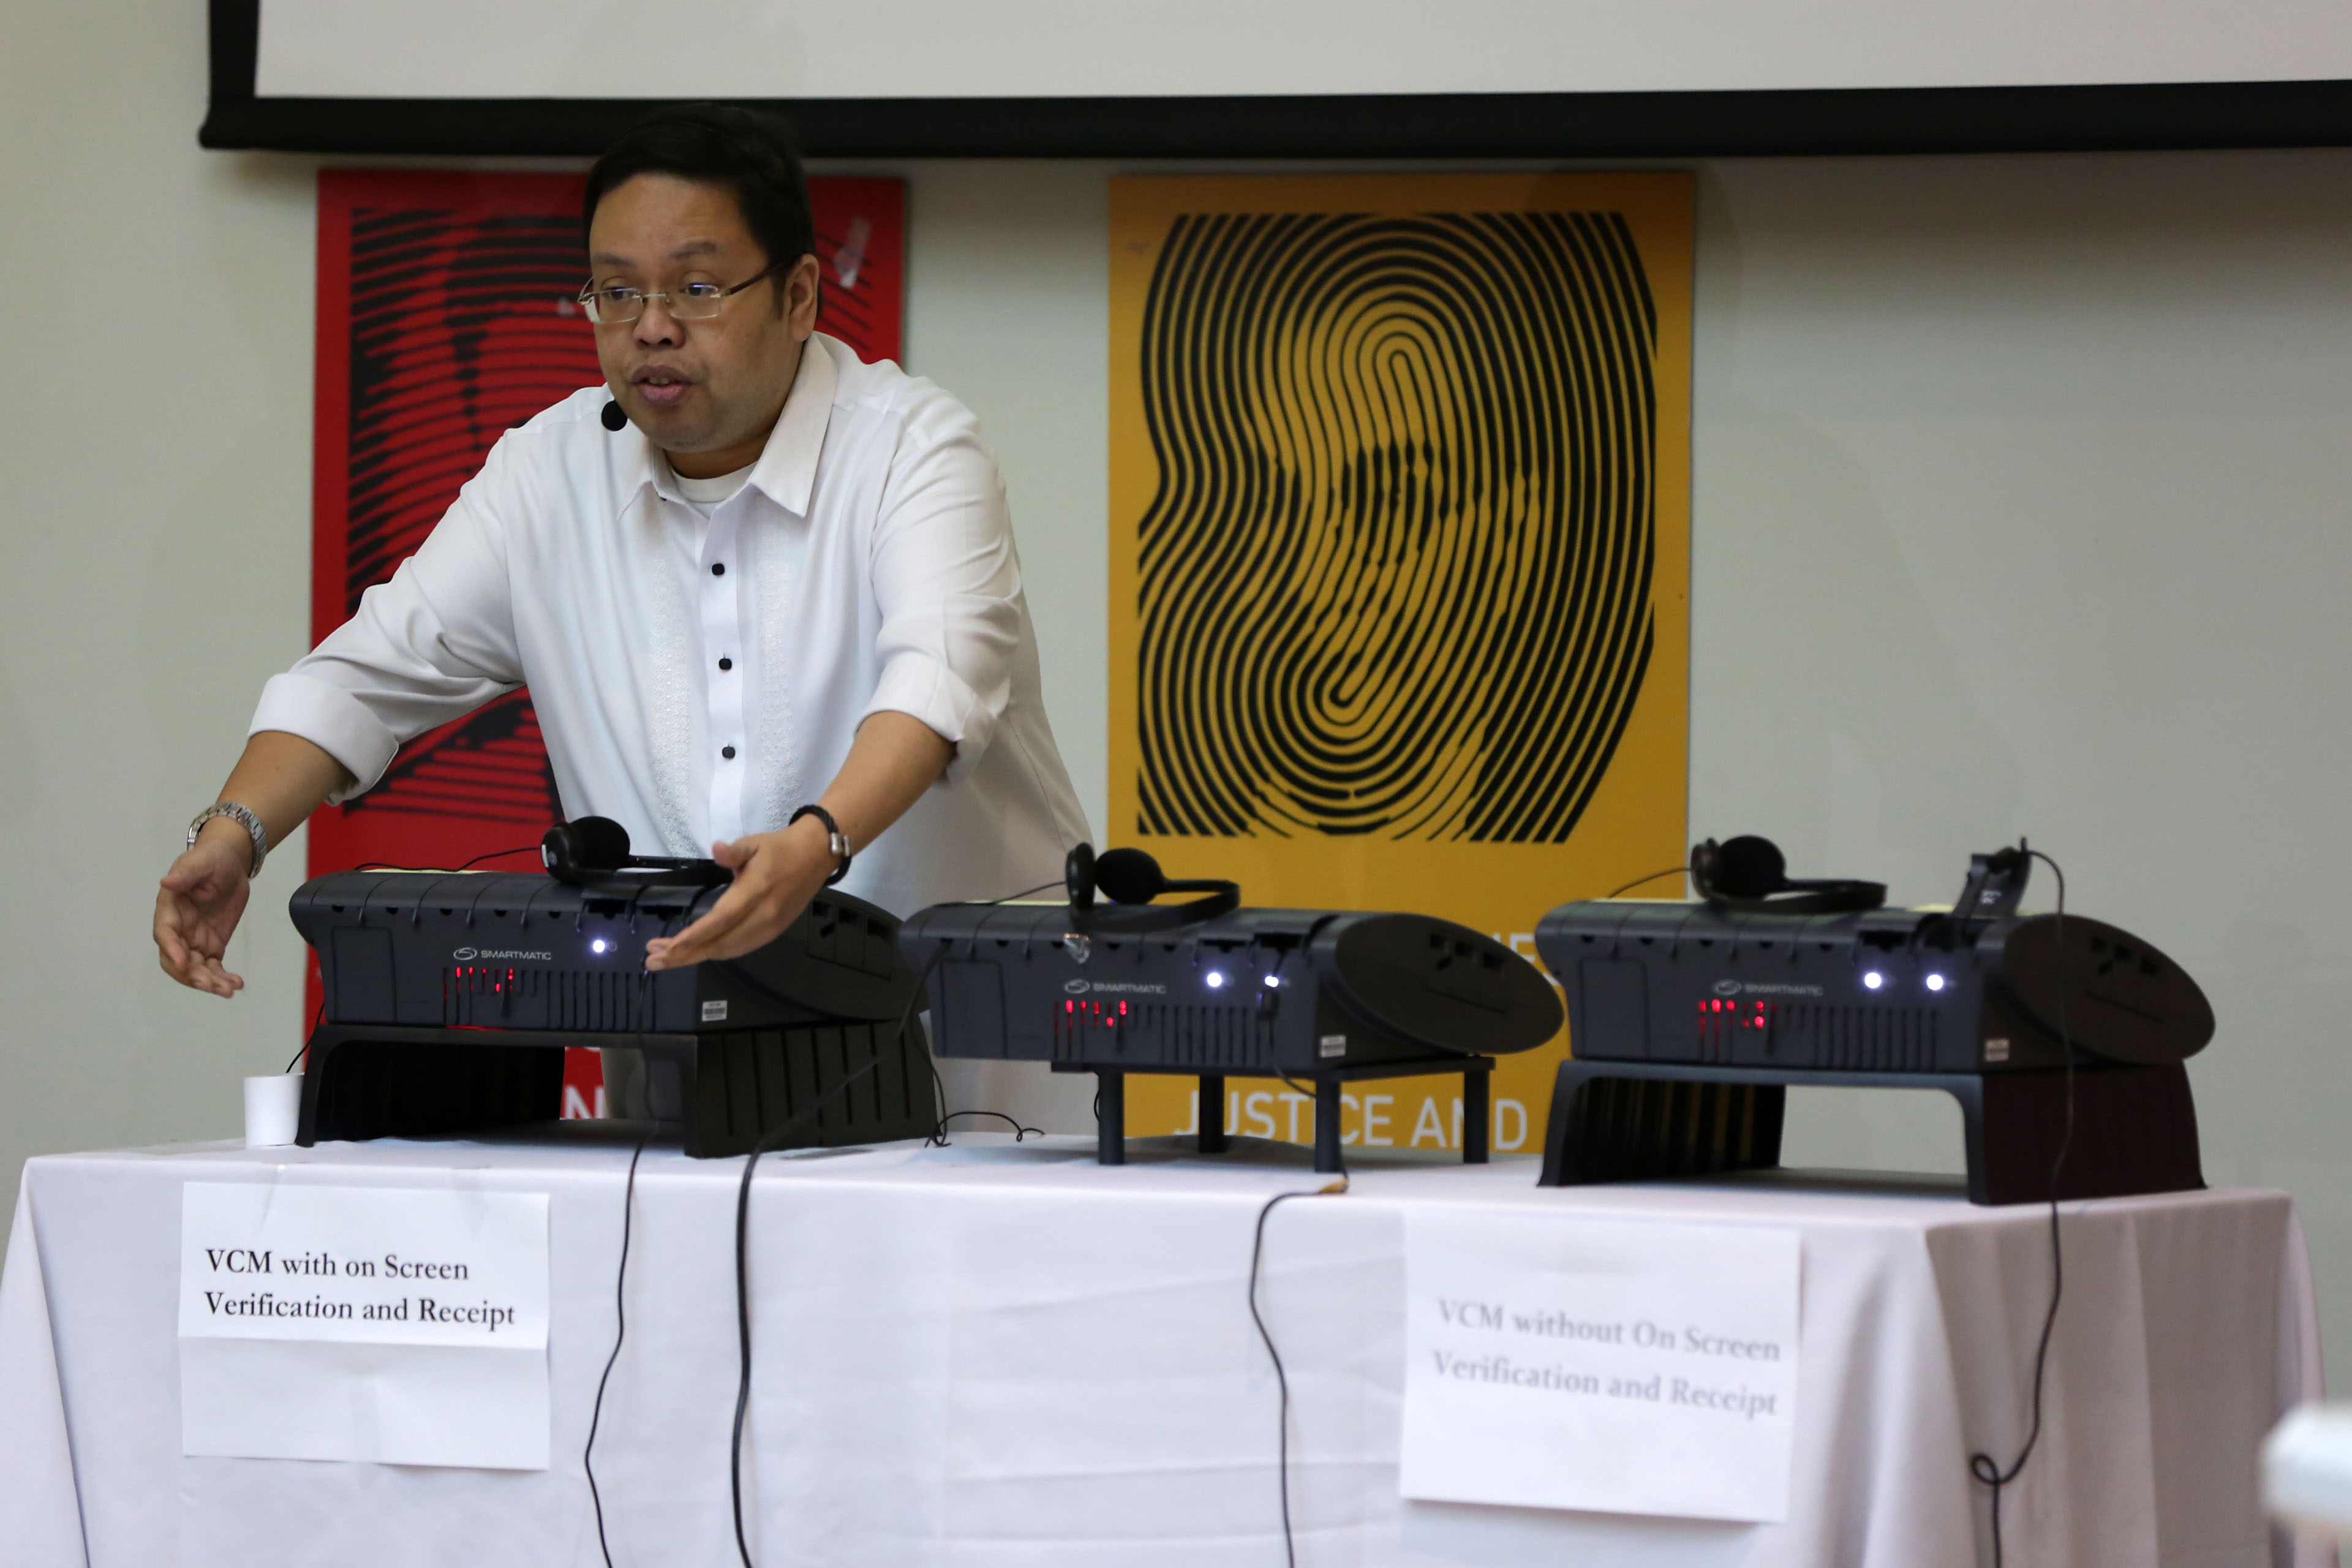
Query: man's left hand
[[776, 875]]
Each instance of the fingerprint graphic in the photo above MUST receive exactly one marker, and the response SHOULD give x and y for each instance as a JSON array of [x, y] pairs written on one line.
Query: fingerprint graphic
[[1396, 577]]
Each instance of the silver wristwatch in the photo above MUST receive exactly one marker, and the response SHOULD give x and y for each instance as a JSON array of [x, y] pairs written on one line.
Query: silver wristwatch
[[835, 840], [243, 818]]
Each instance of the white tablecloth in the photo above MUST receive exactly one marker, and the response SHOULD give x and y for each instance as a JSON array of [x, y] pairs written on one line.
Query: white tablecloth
[[993, 1355]]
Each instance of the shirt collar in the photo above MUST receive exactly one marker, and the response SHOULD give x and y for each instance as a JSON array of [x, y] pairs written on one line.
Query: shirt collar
[[786, 472]]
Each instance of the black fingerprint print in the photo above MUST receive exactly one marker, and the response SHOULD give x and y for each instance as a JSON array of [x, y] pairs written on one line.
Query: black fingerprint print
[[1396, 577]]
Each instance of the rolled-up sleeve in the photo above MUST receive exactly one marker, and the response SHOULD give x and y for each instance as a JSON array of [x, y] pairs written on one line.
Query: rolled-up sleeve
[[431, 644], [948, 584]]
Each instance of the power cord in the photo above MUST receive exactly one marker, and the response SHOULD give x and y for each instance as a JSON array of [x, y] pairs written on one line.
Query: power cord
[[939, 1133], [938, 1138], [742, 1227], [1981, 1465], [743, 1210], [1281, 1377], [620, 1332], [305, 1045], [450, 870], [1669, 871]]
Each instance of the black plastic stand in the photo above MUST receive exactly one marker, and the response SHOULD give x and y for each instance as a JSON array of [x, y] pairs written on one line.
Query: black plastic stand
[[727, 1091], [1110, 1104], [2135, 1128]]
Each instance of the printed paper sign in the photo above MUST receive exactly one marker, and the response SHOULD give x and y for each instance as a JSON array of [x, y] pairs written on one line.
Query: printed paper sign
[[393, 1325], [1626, 1368]]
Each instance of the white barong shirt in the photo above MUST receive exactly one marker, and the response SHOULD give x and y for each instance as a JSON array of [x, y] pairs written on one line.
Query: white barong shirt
[[699, 677]]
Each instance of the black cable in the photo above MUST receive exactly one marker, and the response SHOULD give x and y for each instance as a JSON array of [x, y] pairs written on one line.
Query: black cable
[[620, 1332], [938, 1138], [743, 1291], [1019, 1132], [305, 1045], [939, 1102], [1026, 891], [1650, 877], [742, 1225], [743, 1210], [452, 870], [1281, 1377], [1980, 1464]]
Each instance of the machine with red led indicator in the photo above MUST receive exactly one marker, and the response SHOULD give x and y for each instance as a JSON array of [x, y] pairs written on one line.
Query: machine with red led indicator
[[451, 995], [1687, 1021], [1211, 989]]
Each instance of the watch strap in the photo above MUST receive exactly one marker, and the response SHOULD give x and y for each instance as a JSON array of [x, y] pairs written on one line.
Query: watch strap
[[244, 817], [835, 840]]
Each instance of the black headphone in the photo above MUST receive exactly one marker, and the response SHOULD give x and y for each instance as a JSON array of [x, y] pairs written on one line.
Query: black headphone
[[592, 848], [1133, 878], [1747, 872]]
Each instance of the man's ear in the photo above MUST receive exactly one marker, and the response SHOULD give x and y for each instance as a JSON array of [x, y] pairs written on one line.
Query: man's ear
[[807, 271]]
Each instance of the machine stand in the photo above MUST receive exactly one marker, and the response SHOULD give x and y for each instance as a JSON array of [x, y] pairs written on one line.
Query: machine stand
[[1111, 1118], [1212, 1113], [1110, 1121], [2134, 1127], [728, 1089]]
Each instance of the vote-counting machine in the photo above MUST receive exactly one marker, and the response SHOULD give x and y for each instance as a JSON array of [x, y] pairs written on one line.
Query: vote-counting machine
[[450, 997], [2055, 1032], [1212, 989]]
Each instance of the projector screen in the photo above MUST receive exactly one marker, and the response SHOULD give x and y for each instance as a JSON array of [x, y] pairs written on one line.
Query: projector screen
[[1229, 78], [1149, 48]]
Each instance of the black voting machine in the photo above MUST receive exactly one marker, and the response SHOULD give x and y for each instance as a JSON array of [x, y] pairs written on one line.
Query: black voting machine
[[450, 998], [1209, 989], [1690, 1021]]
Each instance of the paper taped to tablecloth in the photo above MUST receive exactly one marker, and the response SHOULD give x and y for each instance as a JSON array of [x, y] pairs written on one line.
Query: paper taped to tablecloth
[[1578, 1364], [393, 1325]]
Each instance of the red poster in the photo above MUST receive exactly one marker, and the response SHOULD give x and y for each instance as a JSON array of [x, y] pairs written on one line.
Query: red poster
[[446, 318]]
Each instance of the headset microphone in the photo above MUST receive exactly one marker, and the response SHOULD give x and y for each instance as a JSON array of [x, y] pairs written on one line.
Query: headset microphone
[[612, 417]]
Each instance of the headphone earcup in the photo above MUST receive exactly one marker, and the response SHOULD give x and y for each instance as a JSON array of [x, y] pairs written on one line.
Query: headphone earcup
[[1128, 876], [1078, 876], [583, 847], [1748, 866]]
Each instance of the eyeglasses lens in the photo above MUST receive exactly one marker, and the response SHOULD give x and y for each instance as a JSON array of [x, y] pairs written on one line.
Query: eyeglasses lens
[[691, 302]]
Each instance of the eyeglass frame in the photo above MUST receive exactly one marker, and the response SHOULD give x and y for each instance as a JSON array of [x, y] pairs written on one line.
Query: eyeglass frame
[[586, 299]]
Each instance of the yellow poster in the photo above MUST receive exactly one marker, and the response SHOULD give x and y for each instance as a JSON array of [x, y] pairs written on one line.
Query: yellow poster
[[1399, 522]]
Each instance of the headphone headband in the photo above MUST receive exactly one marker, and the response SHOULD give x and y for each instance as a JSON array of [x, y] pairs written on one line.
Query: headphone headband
[[1748, 873], [596, 848], [1132, 879]]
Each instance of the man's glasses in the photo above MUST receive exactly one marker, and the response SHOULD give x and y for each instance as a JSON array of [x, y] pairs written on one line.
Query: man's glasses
[[617, 303]]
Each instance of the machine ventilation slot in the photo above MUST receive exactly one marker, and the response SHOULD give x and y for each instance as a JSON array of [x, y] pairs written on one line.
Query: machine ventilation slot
[[596, 1000], [1190, 1037], [1861, 1039]]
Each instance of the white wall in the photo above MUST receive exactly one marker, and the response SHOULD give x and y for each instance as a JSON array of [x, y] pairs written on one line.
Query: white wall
[[2019, 489]]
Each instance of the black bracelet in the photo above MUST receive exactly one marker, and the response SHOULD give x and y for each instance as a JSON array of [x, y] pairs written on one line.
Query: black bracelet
[[834, 838]]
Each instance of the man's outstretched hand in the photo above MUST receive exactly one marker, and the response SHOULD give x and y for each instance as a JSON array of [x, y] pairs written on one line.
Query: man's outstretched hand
[[198, 906], [776, 875]]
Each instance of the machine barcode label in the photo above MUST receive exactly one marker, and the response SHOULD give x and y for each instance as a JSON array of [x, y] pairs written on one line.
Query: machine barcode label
[[1996, 1050], [714, 1012], [1331, 1046]]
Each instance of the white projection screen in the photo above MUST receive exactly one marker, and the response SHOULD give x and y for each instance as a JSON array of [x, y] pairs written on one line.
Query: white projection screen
[[1294, 76]]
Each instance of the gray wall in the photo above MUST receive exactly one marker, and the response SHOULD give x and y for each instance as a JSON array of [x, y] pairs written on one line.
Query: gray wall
[[2018, 496]]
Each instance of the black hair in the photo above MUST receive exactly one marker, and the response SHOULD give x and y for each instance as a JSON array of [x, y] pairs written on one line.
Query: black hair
[[751, 154]]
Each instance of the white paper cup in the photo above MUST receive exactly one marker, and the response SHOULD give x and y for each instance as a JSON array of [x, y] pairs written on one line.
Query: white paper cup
[[273, 1109]]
